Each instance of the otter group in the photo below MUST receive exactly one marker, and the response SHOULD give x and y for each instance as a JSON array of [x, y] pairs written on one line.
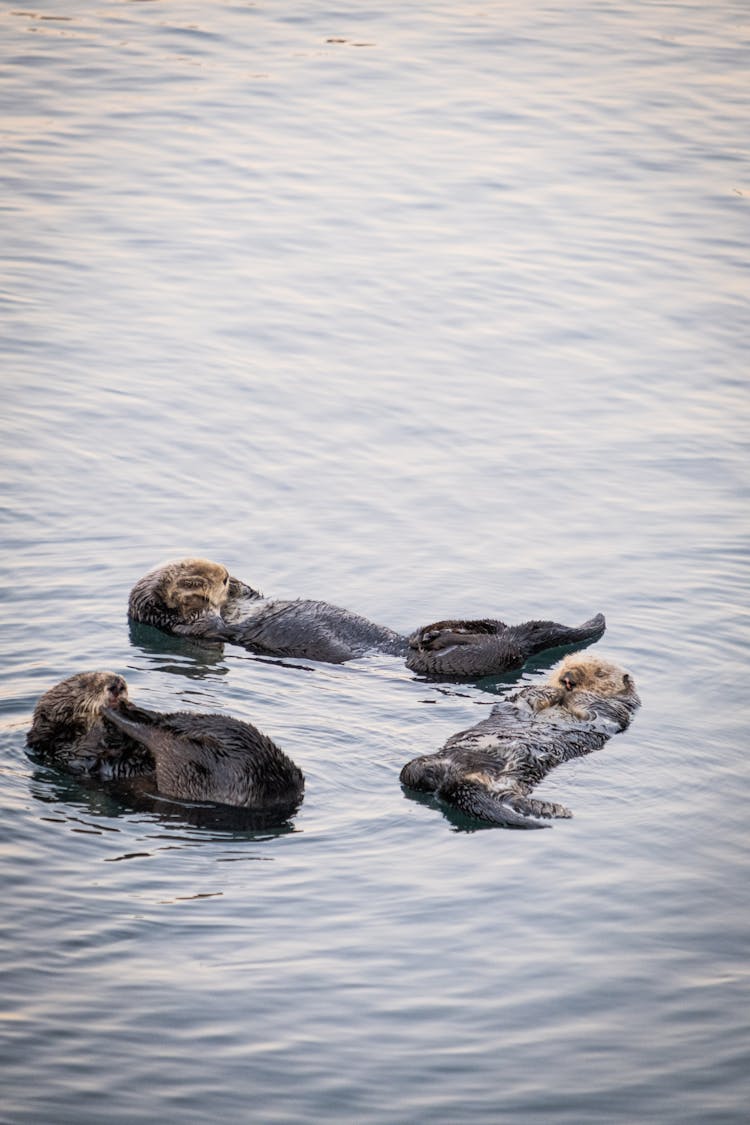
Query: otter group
[[87, 723]]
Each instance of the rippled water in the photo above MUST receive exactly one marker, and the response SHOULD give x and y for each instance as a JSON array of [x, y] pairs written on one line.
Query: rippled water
[[424, 310]]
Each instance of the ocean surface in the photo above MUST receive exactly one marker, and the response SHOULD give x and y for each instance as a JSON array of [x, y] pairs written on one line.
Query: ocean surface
[[426, 310]]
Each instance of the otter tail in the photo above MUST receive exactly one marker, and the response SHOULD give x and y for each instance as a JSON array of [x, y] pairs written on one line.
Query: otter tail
[[506, 809]]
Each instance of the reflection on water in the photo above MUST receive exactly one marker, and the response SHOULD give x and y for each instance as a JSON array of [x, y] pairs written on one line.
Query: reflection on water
[[113, 801], [207, 656], [426, 311], [458, 820], [202, 654]]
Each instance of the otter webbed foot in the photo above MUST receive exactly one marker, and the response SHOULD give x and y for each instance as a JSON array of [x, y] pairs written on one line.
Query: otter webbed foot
[[473, 649], [536, 636], [470, 657], [444, 634], [504, 809], [137, 722], [530, 806]]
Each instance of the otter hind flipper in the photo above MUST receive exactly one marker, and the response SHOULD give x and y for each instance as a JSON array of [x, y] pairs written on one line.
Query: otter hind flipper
[[536, 636], [136, 723], [445, 634], [185, 760], [479, 802], [168, 735], [530, 806]]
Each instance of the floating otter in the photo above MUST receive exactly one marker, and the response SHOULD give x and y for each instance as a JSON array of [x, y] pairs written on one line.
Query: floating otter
[[199, 598], [488, 771], [87, 724]]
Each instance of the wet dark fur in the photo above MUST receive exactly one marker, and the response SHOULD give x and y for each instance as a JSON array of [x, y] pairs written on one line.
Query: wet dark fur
[[486, 647], [213, 758], [488, 771], [87, 725], [198, 598]]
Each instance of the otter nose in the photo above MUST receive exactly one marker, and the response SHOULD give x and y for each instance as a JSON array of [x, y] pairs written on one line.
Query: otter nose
[[118, 686], [568, 682]]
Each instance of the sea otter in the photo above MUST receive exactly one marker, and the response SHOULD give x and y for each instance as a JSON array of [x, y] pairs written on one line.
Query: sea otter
[[87, 724], [198, 598], [488, 771]]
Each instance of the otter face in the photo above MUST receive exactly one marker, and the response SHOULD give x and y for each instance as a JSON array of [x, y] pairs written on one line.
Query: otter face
[[592, 675], [194, 586], [424, 774], [75, 704]]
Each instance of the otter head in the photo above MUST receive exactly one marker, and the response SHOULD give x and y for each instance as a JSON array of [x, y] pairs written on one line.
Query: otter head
[[191, 587], [577, 673], [74, 706], [425, 774]]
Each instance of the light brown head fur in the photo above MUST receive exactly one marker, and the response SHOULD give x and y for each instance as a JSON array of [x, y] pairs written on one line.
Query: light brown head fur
[[579, 673], [73, 706]]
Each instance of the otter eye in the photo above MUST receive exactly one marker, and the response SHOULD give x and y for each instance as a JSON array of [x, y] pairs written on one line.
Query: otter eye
[[625, 678]]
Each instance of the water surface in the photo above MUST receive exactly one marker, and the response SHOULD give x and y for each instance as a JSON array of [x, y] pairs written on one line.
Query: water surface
[[422, 310]]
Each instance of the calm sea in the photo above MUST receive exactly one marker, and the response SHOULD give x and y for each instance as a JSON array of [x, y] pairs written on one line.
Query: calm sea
[[427, 310]]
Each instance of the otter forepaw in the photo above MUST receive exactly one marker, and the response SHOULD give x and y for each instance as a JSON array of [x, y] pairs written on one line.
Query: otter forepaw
[[209, 627], [540, 698]]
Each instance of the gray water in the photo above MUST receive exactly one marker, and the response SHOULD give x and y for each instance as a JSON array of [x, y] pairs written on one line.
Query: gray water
[[426, 310]]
